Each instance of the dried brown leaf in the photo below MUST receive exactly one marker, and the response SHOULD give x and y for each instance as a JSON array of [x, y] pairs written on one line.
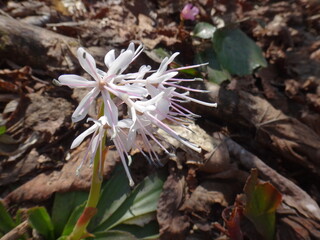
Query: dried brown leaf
[[47, 114], [22, 168], [173, 223], [295, 227], [207, 194], [44, 185]]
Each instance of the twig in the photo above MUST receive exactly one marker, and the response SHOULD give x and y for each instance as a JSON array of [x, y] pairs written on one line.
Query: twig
[[17, 232], [5, 14]]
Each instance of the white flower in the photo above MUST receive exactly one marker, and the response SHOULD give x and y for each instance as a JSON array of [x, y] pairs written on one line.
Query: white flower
[[103, 82], [150, 98], [119, 137]]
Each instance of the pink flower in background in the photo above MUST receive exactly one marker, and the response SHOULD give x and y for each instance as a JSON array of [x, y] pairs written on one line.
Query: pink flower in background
[[189, 12]]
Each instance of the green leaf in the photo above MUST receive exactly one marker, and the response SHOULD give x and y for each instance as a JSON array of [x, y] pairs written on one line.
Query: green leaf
[[63, 238], [236, 52], [115, 235], [141, 201], [41, 221], [215, 72], [114, 193], [158, 54], [262, 202], [6, 222], [75, 215], [19, 218], [3, 129], [63, 205], [141, 220], [148, 231], [204, 30], [193, 72]]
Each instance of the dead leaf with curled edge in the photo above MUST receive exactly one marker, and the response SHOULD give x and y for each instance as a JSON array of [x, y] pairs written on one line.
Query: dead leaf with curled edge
[[172, 222], [44, 185], [47, 114], [23, 167], [205, 195], [294, 227], [284, 135]]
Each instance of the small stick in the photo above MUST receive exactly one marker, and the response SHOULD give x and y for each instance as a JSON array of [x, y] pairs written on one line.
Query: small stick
[[16, 232]]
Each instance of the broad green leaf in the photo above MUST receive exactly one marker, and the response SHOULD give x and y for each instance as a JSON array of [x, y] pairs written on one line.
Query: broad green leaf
[[148, 231], [63, 205], [115, 235], [190, 71], [262, 202], [158, 54], [41, 221], [6, 222], [204, 30], [19, 217], [215, 72], [63, 238], [3, 129], [73, 219], [141, 220], [142, 200], [114, 193], [236, 52]]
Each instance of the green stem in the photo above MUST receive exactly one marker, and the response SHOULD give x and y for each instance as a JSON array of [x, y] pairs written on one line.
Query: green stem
[[79, 229]]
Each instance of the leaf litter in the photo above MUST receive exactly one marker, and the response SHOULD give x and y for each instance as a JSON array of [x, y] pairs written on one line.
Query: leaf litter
[[268, 120]]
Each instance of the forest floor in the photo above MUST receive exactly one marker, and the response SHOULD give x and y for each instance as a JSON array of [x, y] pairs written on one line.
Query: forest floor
[[268, 120]]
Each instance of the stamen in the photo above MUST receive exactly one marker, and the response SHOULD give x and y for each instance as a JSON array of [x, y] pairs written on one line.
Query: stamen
[[120, 151], [187, 88], [173, 133]]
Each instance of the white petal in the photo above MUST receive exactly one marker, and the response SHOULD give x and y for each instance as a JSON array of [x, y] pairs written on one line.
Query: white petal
[[171, 132], [87, 62], [127, 141], [153, 91], [131, 47], [94, 145], [109, 58], [110, 109], [125, 123], [121, 63], [132, 90], [103, 120], [150, 104], [82, 136], [101, 73], [83, 107], [163, 108], [165, 62], [158, 78], [75, 81]]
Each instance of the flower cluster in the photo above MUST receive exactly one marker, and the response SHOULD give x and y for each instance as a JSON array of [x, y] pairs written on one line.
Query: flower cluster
[[150, 97]]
